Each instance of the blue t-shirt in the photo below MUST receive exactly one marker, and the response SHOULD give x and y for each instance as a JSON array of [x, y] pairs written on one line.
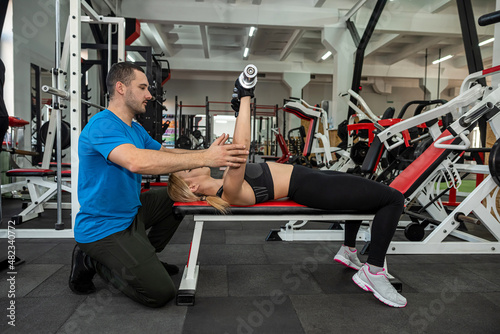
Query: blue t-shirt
[[108, 193]]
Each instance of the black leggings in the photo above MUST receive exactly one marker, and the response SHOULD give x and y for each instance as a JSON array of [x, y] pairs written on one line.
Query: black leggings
[[330, 190]]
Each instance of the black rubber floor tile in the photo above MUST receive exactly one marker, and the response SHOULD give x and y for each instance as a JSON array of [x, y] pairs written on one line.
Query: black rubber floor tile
[[347, 313], [298, 252], [231, 254], [263, 315], [60, 253], [245, 237], [438, 277], [335, 279], [109, 311], [488, 271], [212, 282], [28, 276], [31, 251], [54, 285], [207, 237], [38, 315], [451, 311], [263, 280]]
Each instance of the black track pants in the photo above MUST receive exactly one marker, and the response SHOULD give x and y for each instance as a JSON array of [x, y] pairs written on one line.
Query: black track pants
[[128, 260], [331, 190]]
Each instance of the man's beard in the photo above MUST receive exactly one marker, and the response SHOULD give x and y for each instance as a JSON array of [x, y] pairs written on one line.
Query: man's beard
[[136, 106]]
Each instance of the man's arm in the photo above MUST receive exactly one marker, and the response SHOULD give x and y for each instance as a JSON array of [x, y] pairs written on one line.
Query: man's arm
[[142, 161]]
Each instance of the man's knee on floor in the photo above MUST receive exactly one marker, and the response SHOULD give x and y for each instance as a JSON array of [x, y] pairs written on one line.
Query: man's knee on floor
[[159, 296]]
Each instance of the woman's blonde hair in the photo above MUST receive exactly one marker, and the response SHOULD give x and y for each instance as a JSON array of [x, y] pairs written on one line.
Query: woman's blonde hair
[[179, 191]]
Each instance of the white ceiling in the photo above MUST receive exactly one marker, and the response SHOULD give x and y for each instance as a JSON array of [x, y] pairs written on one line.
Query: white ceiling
[[209, 36]]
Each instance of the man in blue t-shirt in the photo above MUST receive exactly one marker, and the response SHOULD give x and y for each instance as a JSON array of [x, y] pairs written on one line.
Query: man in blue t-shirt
[[110, 228]]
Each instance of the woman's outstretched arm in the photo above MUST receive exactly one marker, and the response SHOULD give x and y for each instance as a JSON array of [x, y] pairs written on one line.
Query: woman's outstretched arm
[[234, 190]]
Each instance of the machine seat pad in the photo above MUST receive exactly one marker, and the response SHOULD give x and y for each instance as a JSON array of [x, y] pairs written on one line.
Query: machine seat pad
[[418, 171], [22, 172]]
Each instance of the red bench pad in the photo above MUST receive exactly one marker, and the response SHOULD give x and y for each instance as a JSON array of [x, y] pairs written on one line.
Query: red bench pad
[[276, 207], [30, 172]]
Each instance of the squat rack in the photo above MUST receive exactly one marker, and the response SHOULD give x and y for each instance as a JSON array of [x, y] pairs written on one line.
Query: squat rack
[[71, 56], [256, 110]]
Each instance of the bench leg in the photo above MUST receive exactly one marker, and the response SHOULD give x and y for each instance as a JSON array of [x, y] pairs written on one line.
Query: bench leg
[[187, 288]]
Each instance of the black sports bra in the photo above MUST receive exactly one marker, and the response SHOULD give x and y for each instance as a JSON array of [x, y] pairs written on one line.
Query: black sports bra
[[260, 179]]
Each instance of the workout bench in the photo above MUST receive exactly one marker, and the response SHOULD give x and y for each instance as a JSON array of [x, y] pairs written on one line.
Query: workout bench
[[278, 210], [41, 189]]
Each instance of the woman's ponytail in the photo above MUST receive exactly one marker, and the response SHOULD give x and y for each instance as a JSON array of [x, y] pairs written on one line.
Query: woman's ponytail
[[179, 191]]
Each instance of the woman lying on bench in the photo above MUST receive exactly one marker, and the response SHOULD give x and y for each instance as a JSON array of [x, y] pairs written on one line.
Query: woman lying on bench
[[328, 190]]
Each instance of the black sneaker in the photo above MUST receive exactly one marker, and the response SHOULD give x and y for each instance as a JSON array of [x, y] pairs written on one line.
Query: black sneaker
[[171, 268], [80, 278]]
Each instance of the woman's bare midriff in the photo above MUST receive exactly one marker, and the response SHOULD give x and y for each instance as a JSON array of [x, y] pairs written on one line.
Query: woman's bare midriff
[[281, 174]]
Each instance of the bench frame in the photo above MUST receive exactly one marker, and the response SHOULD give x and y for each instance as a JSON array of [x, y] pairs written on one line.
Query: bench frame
[[41, 189], [187, 288]]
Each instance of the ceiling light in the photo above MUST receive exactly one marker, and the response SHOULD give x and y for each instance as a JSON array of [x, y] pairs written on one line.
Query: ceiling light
[[326, 55], [252, 30], [245, 54], [442, 59], [487, 41]]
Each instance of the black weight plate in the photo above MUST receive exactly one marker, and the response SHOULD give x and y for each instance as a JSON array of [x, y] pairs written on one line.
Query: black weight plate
[[414, 232], [494, 162], [65, 134]]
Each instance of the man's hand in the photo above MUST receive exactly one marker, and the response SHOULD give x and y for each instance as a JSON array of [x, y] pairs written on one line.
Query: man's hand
[[220, 154]]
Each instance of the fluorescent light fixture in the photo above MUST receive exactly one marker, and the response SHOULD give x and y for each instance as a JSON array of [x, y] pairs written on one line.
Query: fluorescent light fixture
[[252, 30], [442, 59], [326, 55], [129, 57], [487, 41], [245, 54]]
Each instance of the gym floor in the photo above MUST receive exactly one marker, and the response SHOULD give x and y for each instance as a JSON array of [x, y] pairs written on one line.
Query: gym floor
[[249, 285]]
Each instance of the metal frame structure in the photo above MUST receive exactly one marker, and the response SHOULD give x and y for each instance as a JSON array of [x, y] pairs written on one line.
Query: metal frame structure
[[361, 46], [472, 49], [71, 56], [187, 288], [481, 202]]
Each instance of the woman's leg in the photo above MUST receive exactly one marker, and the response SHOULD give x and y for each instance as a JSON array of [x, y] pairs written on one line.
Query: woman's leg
[[351, 229], [345, 192]]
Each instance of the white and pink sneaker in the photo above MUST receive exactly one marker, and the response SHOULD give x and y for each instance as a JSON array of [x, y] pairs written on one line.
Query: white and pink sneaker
[[348, 258], [380, 286]]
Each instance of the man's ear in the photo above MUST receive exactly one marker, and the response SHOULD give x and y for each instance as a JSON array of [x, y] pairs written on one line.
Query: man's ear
[[194, 187], [120, 87]]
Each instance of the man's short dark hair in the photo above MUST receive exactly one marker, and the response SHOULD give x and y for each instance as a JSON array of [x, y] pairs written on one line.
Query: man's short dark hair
[[123, 72]]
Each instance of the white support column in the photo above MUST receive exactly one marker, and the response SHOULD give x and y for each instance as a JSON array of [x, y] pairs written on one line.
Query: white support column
[[431, 87], [75, 97], [337, 39], [295, 81]]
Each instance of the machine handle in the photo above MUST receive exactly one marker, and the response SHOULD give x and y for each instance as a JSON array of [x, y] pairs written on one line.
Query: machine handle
[[489, 18], [464, 146]]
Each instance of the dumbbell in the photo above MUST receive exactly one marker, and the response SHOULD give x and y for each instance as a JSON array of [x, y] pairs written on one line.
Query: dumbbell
[[248, 78]]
